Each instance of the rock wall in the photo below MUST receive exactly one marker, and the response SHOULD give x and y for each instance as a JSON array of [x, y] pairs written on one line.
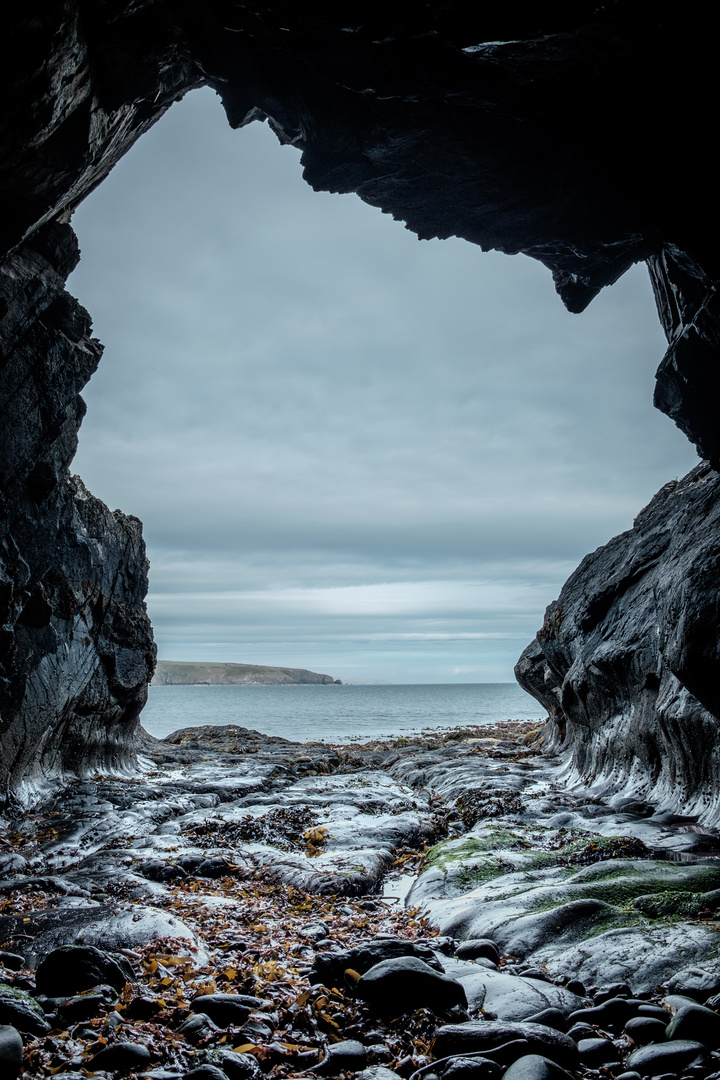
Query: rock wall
[[628, 658], [577, 134]]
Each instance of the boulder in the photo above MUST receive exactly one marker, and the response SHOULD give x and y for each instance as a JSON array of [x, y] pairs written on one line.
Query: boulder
[[405, 984]]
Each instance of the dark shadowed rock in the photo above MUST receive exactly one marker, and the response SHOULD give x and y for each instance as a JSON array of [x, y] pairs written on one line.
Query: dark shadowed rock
[[205, 1072], [470, 1068], [666, 1057], [476, 1036], [536, 1067], [646, 1029], [73, 968], [223, 1009], [11, 1051], [329, 967], [348, 1054], [596, 1052], [697, 1023], [120, 1057], [407, 983], [475, 948]]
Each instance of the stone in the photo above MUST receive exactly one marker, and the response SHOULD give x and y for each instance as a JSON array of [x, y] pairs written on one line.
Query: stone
[[655, 1011], [11, 1051], [120, 1057], [581, 1031], [611, 1015], [554, 1018], [11, 960], [603, 993], [666, 1057], [475, 948], [481, 1037], [234, 1066], [646, 1029], [470, 1068], [348, 1054], [205, 1072], [223, 1009], [697, 1023], [695, 982], [536, 1067], [87, 1005], [197, 1027], [596, 1052], [20, 1010], [329, 967], [74, 968], [404, 984], [377, 1072]]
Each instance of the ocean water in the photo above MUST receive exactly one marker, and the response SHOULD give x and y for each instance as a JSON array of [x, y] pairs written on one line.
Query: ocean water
[[337, 713]]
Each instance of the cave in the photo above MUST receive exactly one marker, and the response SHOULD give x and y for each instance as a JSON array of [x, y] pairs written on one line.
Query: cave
[[575, 135]]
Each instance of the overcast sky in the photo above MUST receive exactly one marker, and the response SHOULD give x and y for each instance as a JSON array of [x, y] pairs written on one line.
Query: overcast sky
[[351, 450]]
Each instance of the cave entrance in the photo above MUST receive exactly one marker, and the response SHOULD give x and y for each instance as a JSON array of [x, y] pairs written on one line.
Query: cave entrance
[[351, 451]]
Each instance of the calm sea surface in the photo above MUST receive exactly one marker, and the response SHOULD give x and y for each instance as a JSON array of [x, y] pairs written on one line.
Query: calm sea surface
[[337, 713]]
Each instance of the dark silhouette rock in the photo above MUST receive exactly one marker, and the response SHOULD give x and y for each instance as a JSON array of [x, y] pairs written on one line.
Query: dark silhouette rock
[[695, 1022], [120, 1057], [223, 1009], [630, 636], [536, 1067], [74, 968], [667, 1057], [406, 983], [483, 1036], [11, 1051]]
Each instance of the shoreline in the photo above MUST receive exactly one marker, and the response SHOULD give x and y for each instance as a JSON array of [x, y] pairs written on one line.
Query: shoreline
[[256, 867]]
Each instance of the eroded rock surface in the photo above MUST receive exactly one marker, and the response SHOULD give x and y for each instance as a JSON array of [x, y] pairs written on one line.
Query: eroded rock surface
[[627, 662]]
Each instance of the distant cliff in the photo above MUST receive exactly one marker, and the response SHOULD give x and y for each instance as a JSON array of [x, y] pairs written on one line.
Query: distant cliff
[[177, 673]]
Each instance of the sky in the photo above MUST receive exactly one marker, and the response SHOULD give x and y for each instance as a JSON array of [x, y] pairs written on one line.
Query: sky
[[352, 451]]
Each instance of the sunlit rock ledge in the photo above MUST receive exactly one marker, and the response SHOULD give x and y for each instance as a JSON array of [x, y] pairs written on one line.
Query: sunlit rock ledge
[[627, 661]]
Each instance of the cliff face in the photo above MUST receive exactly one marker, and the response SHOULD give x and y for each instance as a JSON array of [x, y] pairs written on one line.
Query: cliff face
[[627, 661], [578, 135]]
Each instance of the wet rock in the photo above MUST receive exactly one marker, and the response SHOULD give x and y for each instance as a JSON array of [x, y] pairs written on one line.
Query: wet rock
[[596, 1052], [223, 1009], [470, 1068], [407, 983], [654, 1011], [74, 968], [554, 1018], [197, 1027], [695, 982], [329, 967], [646, 1029], [11, 960], [234, 1066], [86, 1005], [603, 993], [581, 1031], [628, 1075], [20, 1010], [536, 1067], [611, 1015], [348, 1054], [697, 1023], [666, 1057], [377, 1072], [475, 1036], [11, 1051], [509, 997], [205, 1072], [120, 1057], [475, 948]]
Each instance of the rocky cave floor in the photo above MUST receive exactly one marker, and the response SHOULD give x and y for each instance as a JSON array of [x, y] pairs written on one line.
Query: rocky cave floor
[[432, 907]]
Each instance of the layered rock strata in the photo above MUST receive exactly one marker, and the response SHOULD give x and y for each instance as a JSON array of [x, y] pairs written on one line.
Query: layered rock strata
[[541, 132], [627, 661]]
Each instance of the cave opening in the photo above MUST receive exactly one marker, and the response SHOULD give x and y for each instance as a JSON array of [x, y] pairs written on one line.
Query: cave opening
[[350, 451]]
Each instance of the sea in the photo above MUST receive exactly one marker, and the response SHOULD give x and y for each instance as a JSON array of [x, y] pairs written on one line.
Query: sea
[[338, 714]]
